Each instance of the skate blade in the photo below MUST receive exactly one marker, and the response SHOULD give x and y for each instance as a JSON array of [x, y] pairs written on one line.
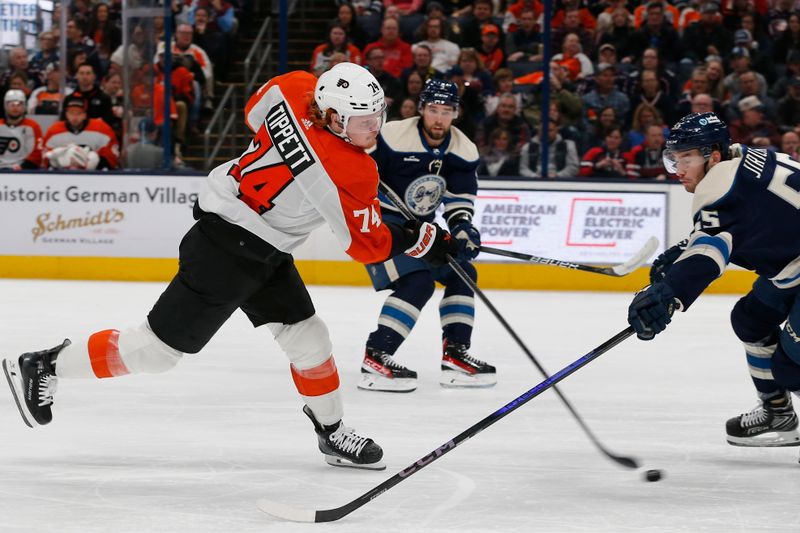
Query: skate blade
[[774, 439], [339, 461], [380, 383], [452, 379], [14, 383]]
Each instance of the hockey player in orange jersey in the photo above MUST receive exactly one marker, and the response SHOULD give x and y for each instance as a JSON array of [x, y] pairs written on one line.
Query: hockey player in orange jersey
[[20, 137], [78, 142], [305, 166]]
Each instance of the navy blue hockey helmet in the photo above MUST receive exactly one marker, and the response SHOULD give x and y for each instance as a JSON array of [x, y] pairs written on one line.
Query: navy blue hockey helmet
[[439, 92], [703, 131]]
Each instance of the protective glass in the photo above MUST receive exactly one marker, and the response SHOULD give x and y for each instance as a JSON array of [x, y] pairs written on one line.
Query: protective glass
[[366, 123], [676, 162]]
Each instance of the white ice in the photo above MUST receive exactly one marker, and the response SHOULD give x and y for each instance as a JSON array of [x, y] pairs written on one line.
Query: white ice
[[194, 449]]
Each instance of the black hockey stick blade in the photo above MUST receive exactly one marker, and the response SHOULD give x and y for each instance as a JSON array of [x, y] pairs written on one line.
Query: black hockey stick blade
[[622, 269], [293, 514]]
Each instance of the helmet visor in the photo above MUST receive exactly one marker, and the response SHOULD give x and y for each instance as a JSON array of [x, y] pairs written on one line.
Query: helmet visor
[[366, 123], [682, 161]]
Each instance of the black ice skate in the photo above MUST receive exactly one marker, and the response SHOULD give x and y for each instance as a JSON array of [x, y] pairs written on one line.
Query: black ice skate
[[32, 379], [765, 425], [342, 447], [381, 372], [460, 369]]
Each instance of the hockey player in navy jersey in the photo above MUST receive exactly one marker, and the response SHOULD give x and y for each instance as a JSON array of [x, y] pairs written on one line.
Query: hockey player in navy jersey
[[427, 162], [747, 212]]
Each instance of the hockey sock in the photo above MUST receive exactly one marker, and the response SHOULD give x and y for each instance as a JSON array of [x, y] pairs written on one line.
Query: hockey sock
[[401, 310], [457, 308], [319, 387]]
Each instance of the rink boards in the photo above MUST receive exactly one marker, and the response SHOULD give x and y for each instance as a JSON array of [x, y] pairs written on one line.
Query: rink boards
[[128, 226]]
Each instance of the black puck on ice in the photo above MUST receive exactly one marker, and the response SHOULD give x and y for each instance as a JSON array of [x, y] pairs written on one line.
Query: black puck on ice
[[653, 475]]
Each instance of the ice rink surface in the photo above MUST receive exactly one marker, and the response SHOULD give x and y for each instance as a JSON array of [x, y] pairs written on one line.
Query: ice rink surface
[[192, 450]]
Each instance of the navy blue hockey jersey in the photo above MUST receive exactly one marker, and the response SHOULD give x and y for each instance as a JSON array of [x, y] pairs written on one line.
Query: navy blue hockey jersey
[[425, 177], [746, 212]]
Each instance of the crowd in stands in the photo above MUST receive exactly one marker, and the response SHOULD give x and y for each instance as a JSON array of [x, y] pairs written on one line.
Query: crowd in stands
[[86, 121], [621, 73]]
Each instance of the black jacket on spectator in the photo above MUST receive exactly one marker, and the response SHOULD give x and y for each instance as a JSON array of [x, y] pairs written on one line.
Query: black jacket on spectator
[[666, 40], [621, 38], [698, 37], [788, 114], [99, 104]]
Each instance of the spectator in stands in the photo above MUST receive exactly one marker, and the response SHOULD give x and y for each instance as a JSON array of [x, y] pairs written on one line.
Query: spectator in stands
[[788, 40], [346, 16], [46, 100], [703, 103], [410, 16], [473, 71], [606, 94], [198, 62], [563, 97], [790, 144], [512, 19], [221, 15], [525, 43], [659, 34], [715, 72], [78, 142], [651, 60], [499, 157], [760, 59], [696, 84], [736, 11], [397, 52], [369, 15], [644, 162], [471, 25], [599, 123], [47, 54], [422, 65], [644, 116], [18, 80], [585, 17], [18, 62], [408, 108], [112, 88], [698, 97], [77, 40], [708, 36], [562, 161], [433, 35], [471, 112], [605, 161], [506, 117], [620, 34], [183, 91], [749, 86], [217, 45], [138, 50], [571, 48], [336, 42], [490, 51], [503, 84], [572, 25], [98, 103], [106, 35], [413, 85], [146, 152], [21, 146], [789, 106], [650, 93], [752, 129], [669, 13], [778, 17], [740, 63], [392, 89]]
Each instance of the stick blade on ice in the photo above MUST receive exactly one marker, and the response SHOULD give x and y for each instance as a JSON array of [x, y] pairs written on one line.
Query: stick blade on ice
[[286, 512], [639, 259]]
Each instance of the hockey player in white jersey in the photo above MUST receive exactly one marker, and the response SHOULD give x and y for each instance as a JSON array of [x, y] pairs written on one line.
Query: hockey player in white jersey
[[20, 137], [305, 166]]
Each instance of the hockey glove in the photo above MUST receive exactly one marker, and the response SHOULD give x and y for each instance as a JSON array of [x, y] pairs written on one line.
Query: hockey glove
[[664, 262], [433, 244], [651, 310], [468, 238]]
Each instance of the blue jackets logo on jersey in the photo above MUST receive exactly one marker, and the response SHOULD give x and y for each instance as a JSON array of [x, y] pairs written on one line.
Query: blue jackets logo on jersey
[[424, 194]]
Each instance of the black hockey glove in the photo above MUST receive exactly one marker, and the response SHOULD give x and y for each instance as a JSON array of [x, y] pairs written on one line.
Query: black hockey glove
[[664, 262], [651, 310], [432, 243], [468, 238]]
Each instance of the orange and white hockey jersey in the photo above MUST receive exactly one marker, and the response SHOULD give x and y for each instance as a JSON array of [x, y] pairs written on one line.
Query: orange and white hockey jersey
[[295, 176], [97, 136], [20, 145]]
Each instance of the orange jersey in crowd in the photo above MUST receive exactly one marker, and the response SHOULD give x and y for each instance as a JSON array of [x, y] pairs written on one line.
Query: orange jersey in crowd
[[20, 145], [97, 136], [295, 176]]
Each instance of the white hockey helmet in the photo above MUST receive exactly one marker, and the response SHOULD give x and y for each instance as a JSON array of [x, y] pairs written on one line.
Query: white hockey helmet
[[14, 95], [352, 91]]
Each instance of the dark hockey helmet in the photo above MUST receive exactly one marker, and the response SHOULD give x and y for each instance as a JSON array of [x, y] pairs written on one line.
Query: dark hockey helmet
[[439, 92], [703, 131]]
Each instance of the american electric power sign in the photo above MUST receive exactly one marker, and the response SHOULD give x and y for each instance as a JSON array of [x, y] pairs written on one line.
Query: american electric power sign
[[590, 227]]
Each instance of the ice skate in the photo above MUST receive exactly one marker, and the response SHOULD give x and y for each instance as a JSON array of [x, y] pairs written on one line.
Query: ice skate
[[342, 447], [765, 425], [381, 372], [32, 380], [460, 369]]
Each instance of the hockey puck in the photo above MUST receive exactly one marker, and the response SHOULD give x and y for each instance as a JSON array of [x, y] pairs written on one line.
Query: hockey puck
[[653, 475]]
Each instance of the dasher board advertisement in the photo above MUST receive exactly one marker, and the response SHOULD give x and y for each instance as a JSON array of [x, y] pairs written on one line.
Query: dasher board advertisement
[[95, 215], [578, 226]]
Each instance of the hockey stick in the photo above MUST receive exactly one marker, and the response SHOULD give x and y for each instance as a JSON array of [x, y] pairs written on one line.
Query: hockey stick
[[286, 512], [622, 269], [627, 462]]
